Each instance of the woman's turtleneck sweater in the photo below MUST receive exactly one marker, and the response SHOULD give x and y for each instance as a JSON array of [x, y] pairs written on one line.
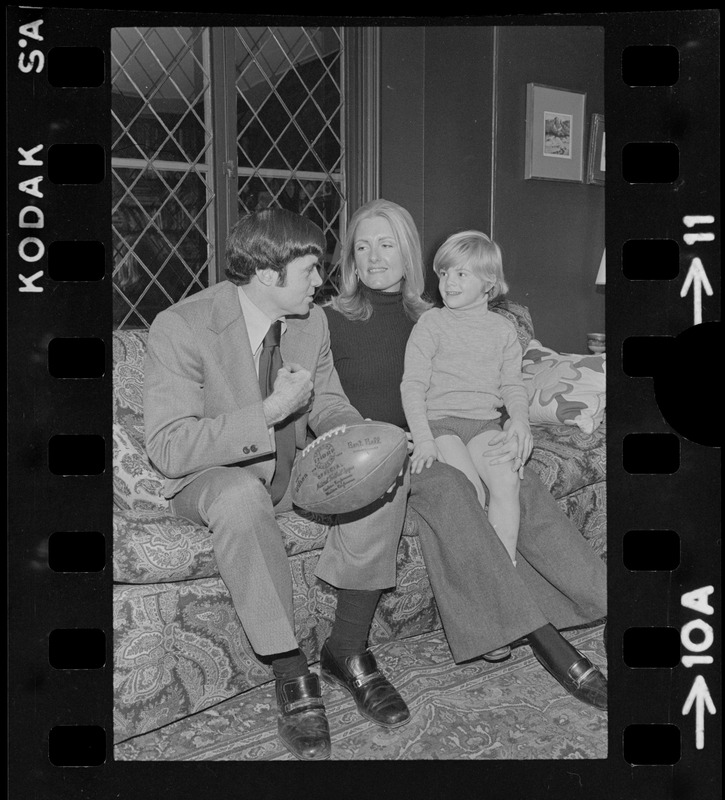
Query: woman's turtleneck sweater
[[462, 363], [369, 356]]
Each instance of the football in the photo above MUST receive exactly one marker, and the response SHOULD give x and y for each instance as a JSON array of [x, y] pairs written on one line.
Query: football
[[348, 467]]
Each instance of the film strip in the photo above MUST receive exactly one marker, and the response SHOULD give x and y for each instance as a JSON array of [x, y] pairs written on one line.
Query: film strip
[[664, 432]]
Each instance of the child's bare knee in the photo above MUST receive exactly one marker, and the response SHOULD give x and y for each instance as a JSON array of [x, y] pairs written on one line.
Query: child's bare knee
[[506, 483]]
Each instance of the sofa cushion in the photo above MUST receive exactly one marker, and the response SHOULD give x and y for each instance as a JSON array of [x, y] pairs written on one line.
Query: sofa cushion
[[136, 485], [158, 547], [521, 318], [567, 459], [564, 387], [179, 647], [154, 546], [587, 509], [129, 355]]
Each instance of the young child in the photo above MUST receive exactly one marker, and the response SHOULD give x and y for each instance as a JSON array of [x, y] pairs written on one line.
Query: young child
[[462, 363]]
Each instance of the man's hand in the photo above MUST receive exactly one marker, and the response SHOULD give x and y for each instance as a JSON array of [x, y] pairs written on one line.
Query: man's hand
[[292, 391], [424, 455]]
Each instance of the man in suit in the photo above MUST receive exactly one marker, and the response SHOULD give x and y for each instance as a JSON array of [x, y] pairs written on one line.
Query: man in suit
[[235, 374]]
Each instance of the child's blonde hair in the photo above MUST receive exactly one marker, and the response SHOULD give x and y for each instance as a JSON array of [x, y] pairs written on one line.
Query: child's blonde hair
[[473, 250]]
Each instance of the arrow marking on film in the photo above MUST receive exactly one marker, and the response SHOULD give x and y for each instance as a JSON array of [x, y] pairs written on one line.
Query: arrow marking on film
[[699, 697], [698, 279]]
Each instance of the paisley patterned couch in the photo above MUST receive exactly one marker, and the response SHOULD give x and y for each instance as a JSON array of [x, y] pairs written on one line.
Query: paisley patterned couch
[[178, 645]]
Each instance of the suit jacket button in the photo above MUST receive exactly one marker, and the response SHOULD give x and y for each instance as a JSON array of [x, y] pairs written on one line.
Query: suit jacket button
[[245, 450], [253, 448]]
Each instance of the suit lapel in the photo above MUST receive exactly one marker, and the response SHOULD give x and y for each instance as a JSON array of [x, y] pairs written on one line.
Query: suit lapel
[[233, 351], [231, 348]]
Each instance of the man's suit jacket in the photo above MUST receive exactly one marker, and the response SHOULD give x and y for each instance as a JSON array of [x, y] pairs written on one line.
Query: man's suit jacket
[[202, 402]]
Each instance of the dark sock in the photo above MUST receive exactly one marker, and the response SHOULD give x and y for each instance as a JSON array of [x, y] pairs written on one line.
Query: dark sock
[[353, 617], [553, 647], [289, 665]]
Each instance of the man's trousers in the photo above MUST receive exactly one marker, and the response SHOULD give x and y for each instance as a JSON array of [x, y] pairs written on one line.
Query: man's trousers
[[360, 551]]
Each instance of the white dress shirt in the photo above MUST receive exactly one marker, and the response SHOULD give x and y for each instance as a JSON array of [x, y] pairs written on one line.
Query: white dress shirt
[[257, 324]]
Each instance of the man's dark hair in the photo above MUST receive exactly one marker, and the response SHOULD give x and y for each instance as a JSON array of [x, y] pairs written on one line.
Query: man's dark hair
[[270, 239]]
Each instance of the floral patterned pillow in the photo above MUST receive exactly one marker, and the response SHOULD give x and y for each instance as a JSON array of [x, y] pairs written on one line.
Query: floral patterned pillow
[[136, 486], [564, 387]]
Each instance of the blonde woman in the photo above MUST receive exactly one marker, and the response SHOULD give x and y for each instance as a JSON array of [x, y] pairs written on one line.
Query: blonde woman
[[485, 602]]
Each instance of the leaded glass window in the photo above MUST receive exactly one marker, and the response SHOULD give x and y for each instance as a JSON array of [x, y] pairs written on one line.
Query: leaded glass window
[[162, 191], [176, 157]]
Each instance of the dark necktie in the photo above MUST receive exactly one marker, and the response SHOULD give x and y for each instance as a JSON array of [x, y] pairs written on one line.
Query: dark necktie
[[270, 361]]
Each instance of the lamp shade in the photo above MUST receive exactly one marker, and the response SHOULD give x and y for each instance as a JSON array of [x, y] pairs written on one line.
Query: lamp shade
[[601, 275]]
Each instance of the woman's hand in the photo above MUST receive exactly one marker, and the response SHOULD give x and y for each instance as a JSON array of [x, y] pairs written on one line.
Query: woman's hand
[[514, 444], [424, 455], [520, 430]]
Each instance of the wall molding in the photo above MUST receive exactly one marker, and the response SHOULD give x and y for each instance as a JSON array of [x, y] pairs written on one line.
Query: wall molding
[[361, 118]]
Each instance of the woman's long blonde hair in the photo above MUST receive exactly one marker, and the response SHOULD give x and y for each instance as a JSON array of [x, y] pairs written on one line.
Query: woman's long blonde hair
[[351, 300]]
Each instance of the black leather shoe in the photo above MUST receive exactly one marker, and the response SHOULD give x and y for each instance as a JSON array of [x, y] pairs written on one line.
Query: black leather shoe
[[582, 680], [301, 720], [376, 698]]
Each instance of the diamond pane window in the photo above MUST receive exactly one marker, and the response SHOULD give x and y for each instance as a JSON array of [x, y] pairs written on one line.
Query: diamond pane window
[[289, 142], [161, 155], [159, 234], [185, 166]]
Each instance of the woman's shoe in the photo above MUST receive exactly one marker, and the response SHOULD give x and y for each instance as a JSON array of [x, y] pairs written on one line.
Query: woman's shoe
[[500, 654], [581, 679]]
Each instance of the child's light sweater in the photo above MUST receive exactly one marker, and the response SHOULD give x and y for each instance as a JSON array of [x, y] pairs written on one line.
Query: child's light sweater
[[462, 363]]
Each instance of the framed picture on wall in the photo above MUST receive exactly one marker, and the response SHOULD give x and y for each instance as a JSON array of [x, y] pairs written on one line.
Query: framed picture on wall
[[596, 168], [554, 134]]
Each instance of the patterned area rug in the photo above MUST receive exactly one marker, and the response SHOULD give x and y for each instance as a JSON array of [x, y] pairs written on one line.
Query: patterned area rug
[[513, 710]]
